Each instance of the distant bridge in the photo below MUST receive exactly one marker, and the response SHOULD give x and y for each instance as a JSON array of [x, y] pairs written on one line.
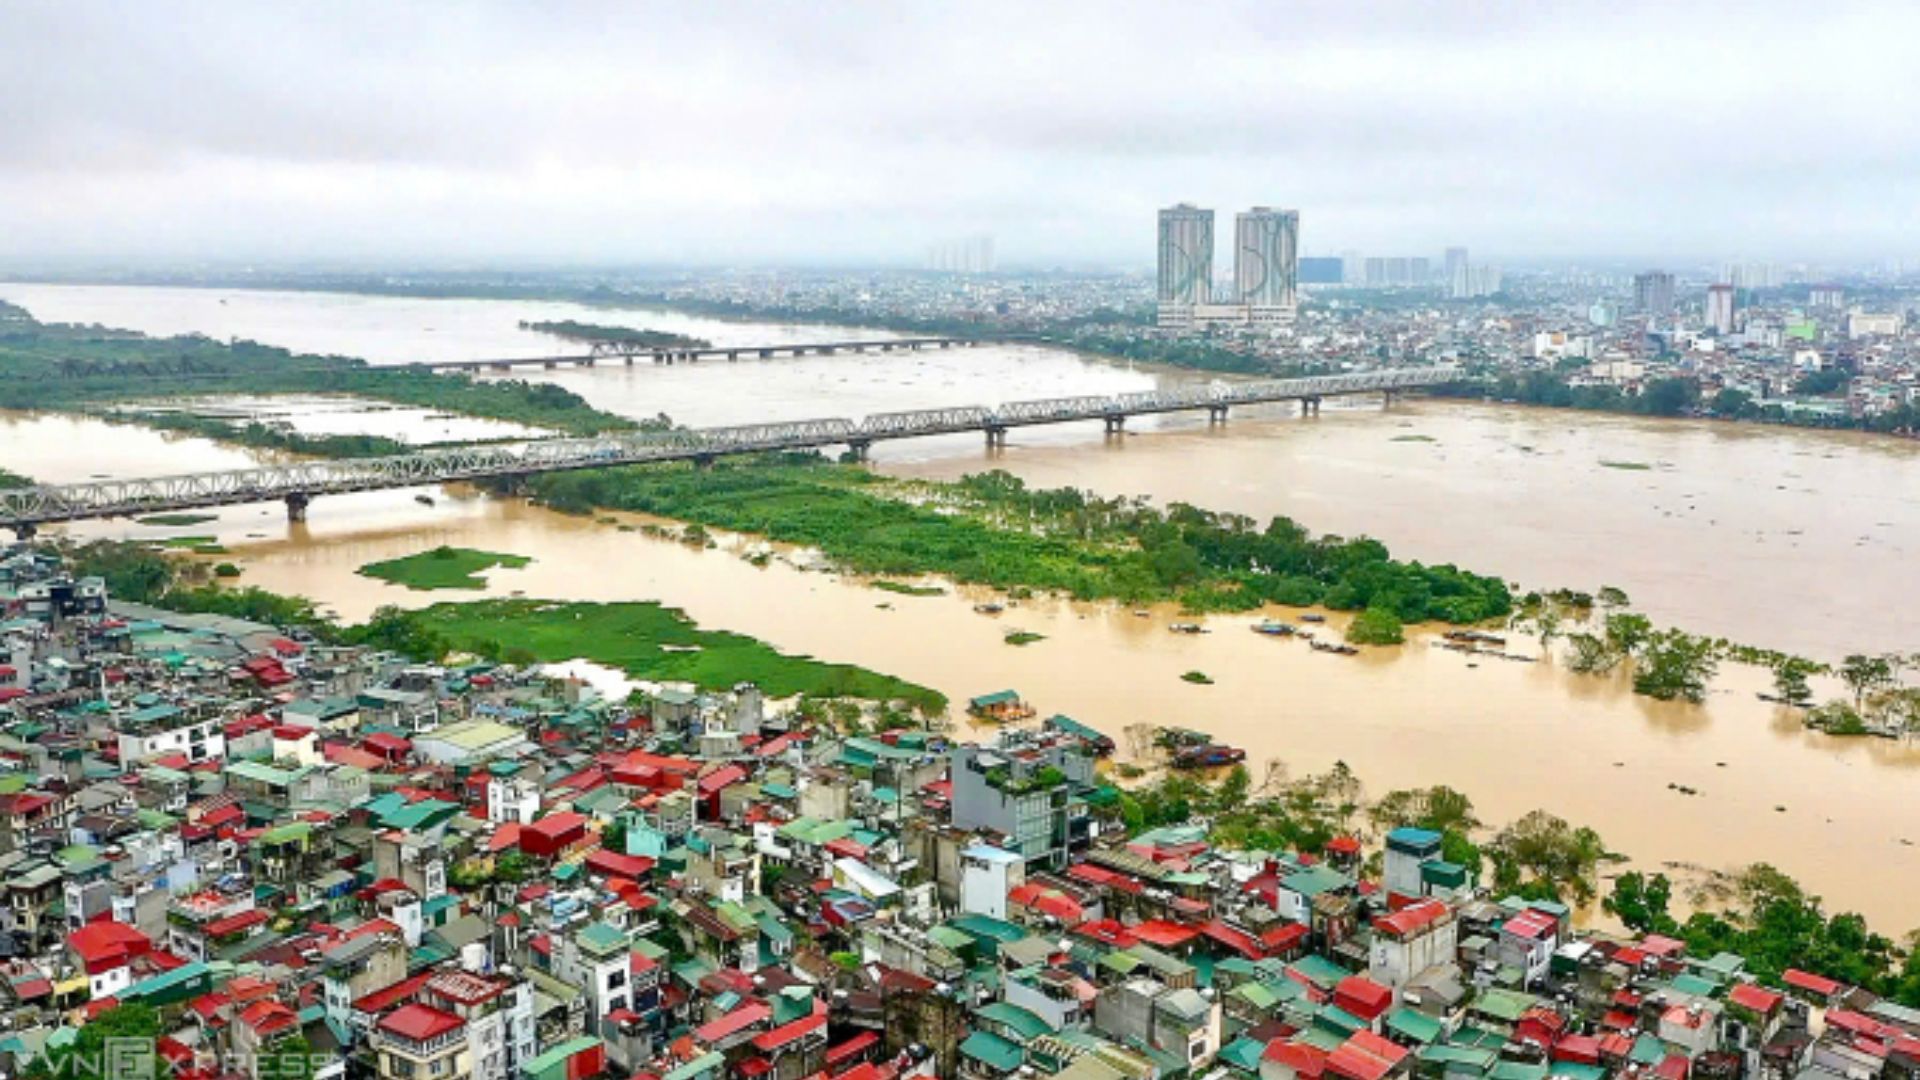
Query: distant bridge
[[670, 354], [24, 509]]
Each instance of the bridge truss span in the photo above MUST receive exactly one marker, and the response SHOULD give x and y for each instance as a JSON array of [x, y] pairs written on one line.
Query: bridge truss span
[[23, 509]]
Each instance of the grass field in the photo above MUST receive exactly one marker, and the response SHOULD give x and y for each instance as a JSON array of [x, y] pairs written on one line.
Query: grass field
[[442, 568], [650, 641]]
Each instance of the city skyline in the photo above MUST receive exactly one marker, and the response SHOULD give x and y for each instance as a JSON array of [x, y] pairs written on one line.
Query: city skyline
[[619, 135]]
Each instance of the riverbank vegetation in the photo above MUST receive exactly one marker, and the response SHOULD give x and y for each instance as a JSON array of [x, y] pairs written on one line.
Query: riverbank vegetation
[[1681, 396], [1674, 665], [1765, 916], [645, 640], [992, 529], [616, 335], [68, 367], [262, 436], [1539, 856], [442, 568], [11, 479]]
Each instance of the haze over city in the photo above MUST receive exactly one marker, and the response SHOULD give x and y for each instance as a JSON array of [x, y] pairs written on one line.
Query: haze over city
[[751, 134]]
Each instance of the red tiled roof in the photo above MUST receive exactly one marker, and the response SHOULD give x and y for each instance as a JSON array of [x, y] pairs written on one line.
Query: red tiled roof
[[268, 1017], [419, 1022], [1238, 940], [554, 826], [103, 946], [1808, 981], [1362, 996], [1162, 934], [768, 1041], [852, 1048], [732, 1023], [1531, 924], [1365, 1056], [388, 996], [1306, 1061], [1584, 1049], [233, 924], [613, 863], [1412, 919], [1758, 998]]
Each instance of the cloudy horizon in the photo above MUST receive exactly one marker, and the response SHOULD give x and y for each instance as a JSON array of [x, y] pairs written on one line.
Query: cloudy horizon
[[862, 134]]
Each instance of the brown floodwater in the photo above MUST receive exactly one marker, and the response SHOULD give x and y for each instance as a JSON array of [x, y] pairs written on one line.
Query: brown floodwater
[[1791, 539], [1516, 736]]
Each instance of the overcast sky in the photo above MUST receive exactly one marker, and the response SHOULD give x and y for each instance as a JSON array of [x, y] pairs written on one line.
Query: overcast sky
[[839, 133]]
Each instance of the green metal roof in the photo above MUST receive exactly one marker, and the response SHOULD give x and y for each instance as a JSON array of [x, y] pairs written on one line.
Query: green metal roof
[[993, 1051], [1024, 1022], [1417, 1026], [542, 1062]]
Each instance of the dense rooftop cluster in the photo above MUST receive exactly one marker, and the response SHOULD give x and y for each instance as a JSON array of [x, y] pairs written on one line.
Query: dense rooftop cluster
[[248, 841]]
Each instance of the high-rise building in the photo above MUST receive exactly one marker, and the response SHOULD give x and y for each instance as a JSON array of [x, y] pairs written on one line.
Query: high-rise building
[[1459, 285], [1186, 255], [970, 255], [1266, 270], [1720, 308], [1653, 292]]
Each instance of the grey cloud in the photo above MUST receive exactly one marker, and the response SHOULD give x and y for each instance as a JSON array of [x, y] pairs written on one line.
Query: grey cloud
[[859, 132]]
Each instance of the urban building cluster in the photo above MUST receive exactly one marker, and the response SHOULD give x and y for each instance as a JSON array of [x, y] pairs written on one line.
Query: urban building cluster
[[417, 872]]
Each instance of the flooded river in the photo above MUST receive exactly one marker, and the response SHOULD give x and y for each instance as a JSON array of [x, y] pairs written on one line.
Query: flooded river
[[1790, 539]]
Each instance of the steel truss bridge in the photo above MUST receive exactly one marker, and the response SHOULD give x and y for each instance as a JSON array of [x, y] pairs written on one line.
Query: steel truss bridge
[[669, 354], [24, 509]]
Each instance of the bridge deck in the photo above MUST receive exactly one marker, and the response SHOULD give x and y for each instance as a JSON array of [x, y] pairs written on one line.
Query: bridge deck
[[611, 350], [24, 508]]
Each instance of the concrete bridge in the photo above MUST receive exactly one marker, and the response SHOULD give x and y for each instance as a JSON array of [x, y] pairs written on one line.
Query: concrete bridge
[[23, 510], [631, 352]]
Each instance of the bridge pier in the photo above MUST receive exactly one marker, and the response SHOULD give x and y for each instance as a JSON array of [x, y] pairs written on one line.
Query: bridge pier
[[550, 364], [704, 462], [886, 346], [1387, 399], [1116, 424], [502, 367], [827, 350], [766, 354], [1216, 414], [732, 355], [1310, 405], [25, 532], [297, 506], [914, 345], [946, 344], [996, 437], [860, 449]]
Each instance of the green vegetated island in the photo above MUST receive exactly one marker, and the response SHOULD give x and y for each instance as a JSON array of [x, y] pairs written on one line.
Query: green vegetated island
[[617, 335], [645, 640], [650, 641], [992, 529], [443, 568], [81, 368]]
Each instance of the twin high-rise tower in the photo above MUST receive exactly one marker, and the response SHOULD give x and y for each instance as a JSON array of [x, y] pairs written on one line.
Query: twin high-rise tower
[[1266, 259]]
